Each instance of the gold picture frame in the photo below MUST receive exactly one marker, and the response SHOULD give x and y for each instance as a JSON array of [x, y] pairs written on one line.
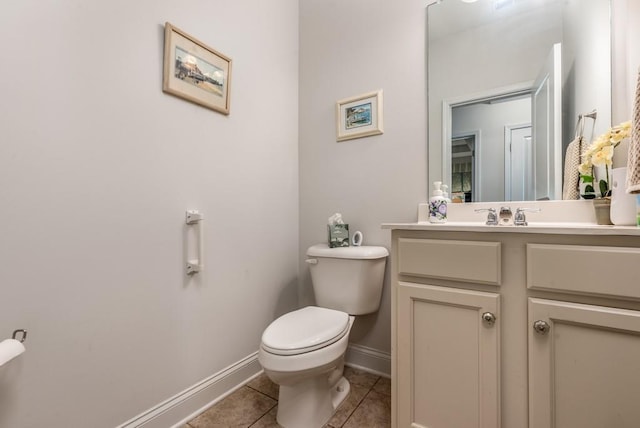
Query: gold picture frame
[[359, 116], [194, 71]]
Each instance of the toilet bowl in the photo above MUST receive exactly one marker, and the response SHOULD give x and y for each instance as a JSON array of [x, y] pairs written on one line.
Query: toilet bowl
[[303, 351], [309, 372]]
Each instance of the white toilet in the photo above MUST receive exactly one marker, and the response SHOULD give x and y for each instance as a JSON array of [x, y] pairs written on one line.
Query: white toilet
[[303, 351]]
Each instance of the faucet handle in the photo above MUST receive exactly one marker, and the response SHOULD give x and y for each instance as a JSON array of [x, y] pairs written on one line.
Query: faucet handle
[[520, 219], [492, 217]]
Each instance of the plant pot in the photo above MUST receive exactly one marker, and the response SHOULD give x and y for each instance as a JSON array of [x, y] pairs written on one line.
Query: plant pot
[[603, 210]]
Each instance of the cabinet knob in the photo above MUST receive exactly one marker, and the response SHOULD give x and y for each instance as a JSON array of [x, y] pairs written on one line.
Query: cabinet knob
[[541, 327], [489, 318]]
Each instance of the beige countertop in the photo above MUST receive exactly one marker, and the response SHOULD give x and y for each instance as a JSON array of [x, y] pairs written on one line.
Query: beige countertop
[[541, 228]]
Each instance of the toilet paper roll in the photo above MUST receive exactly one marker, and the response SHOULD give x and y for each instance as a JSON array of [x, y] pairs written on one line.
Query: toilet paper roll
[[9, 349]]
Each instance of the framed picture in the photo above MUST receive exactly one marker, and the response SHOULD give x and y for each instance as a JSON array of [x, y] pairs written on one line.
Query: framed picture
[[359, 116], [194, 71]]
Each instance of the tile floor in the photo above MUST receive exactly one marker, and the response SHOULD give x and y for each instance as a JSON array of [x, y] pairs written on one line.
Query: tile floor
[[255, 405]]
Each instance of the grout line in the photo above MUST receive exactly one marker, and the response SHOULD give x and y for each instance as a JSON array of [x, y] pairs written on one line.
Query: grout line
[[265, 413], [266, 395], [373, 387], [357, 405]]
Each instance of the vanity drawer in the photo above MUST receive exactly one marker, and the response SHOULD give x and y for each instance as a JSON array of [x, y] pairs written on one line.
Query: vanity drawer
[[604, 271], [467, 261]]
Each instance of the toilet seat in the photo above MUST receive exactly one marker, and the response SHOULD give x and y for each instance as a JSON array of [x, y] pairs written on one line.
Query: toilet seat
[[305, 330]]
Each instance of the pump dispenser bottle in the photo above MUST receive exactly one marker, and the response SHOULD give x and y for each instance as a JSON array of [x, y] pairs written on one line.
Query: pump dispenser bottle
[[445, 193], [437, 205]]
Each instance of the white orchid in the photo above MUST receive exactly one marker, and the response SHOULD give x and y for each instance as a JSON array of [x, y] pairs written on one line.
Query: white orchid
[[604, 156], [600, 153]]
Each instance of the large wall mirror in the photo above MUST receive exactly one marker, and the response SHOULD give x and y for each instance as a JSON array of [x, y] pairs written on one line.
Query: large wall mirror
[[507, 80]]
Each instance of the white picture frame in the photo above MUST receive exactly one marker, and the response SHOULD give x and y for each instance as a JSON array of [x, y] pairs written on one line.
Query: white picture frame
[[359, 116]]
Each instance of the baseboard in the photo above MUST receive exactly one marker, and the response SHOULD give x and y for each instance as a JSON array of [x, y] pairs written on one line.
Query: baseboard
[[185, 405], [369, 360]]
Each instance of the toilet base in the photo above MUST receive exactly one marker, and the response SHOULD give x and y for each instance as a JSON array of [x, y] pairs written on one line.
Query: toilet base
[[311, 403]]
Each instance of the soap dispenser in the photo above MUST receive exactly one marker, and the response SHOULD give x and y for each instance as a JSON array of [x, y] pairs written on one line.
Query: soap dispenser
[[445, 193], [437, 205]]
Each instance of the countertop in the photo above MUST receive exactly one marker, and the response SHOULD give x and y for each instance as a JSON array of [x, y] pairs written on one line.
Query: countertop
[[533, 227]]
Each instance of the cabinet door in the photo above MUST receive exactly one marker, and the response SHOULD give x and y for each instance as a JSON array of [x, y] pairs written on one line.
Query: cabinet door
[[448, 357], [584, 366]]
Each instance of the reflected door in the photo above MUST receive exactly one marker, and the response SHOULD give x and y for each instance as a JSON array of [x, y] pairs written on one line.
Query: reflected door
[[518, 164], [547, 131]]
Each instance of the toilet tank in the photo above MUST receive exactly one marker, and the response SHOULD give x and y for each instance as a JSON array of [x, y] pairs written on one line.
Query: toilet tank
[[347, 279]]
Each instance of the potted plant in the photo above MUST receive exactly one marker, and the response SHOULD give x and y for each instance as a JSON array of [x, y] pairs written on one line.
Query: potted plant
[[600, 154]]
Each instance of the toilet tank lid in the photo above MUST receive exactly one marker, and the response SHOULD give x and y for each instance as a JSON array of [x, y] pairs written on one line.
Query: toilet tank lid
[[362, 252]]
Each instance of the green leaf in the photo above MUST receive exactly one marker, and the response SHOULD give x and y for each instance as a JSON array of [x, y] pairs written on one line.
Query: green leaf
[[587, 178], [589, 189], [604, 188]]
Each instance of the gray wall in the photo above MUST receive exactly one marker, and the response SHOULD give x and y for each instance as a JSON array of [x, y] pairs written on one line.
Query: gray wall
[[583, 54], [348, 48], [626, 63], [97, 168]]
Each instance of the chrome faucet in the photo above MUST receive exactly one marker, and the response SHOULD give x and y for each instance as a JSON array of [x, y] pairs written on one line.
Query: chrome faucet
[[492, 217], [505, 215], [520, 219]]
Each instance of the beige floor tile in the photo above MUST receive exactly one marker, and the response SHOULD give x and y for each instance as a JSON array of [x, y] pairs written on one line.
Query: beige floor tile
[[240, 409], [268, 420], [358, 377], [373, 412], [347, 407], [263, 384], [383, 386]]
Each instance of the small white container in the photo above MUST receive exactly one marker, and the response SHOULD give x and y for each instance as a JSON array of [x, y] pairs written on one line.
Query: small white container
[[623, 204]]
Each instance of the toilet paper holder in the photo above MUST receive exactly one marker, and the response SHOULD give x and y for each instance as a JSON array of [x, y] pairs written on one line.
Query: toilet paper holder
[[24, 335]]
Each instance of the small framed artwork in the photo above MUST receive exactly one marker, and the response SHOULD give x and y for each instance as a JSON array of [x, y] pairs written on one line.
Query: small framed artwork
[[359, 116], [194, 71]]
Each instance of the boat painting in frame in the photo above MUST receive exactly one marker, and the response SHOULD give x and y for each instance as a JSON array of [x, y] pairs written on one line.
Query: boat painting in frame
[[195, 71], [359, 116]]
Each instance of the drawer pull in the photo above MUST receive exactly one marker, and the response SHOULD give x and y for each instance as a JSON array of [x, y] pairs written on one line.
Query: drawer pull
[[541, 327], [488, 318]]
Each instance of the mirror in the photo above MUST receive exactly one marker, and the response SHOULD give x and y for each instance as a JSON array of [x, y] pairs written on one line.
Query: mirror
[[506, 82]]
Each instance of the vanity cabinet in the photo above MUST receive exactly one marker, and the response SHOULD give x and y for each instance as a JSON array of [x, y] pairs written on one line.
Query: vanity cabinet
[[450, 343], [514, 329], [584, 365]]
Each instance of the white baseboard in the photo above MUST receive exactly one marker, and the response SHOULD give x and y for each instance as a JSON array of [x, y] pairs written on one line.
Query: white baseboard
[[369, 360], [187, 404]]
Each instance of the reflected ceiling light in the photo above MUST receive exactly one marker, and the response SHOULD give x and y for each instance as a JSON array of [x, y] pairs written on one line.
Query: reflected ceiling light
[[499, 4]]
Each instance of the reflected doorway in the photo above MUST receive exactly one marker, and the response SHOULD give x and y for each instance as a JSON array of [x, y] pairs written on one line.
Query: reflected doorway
[[482, 147], [463, 167]]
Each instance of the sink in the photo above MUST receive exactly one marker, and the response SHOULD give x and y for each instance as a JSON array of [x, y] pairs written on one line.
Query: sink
[[575, 213]]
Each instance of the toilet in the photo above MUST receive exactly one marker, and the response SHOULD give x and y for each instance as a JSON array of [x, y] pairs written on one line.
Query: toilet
[[303, 351]]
